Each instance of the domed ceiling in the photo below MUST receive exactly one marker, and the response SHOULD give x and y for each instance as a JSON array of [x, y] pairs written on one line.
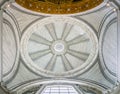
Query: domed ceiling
[[67, 47], [59, 6]]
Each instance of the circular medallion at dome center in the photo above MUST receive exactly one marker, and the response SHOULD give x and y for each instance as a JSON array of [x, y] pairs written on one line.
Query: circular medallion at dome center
[[59, 47]]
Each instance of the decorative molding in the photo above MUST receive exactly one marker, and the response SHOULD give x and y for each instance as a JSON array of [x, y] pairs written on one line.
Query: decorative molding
[[44, 82], [1, 29], [104, 69], [14, 20], [118, 44], [6, 22], [38, 69], [14, 29]]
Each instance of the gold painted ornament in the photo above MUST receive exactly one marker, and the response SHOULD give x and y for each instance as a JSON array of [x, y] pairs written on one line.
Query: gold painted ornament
[[59, 6]]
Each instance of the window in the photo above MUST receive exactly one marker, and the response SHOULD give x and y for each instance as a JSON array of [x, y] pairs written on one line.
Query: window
[[59, 89]]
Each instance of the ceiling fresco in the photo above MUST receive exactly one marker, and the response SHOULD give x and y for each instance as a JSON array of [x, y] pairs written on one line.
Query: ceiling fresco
[[59, 6]]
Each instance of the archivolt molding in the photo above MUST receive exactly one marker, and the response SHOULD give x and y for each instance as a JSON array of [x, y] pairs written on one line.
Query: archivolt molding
[[118, 34], [1, 32], [13, 71], [108, 14], [109, 75], [116, 3], [9, 25], [13, 18], [39, 83]]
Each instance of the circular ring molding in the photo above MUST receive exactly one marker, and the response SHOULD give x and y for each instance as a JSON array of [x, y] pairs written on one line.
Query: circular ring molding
[[57, 46]]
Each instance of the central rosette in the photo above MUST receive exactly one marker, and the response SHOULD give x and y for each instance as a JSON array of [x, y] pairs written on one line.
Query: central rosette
[[58, 47]]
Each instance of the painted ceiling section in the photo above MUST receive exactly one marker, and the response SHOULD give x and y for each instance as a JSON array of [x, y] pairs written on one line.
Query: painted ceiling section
[[59, 6]]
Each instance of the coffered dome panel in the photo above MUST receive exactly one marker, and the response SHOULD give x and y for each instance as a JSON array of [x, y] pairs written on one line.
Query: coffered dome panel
[[57, 46]]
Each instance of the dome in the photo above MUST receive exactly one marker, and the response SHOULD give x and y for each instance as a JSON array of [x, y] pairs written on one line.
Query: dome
[[59, 6]]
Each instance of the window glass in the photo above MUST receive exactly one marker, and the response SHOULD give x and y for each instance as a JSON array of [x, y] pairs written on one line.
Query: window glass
[[59, 89]]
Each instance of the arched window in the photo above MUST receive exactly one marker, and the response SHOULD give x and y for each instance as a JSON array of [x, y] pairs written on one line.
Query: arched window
[[59, 89]]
